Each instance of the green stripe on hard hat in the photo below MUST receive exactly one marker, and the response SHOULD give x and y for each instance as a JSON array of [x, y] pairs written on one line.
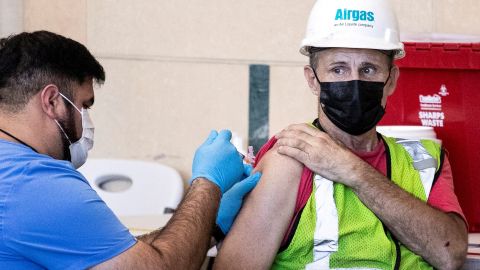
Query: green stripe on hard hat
[[366, 24]]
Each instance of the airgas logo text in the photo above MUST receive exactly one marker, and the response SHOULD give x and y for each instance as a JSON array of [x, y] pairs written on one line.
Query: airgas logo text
[[354, 15]]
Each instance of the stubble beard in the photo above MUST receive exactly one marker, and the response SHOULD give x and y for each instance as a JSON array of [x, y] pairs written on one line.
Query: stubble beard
[[68, 126]]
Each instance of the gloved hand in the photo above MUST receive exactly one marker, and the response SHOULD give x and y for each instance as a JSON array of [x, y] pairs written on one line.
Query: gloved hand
[[218, 161], [232, 200]]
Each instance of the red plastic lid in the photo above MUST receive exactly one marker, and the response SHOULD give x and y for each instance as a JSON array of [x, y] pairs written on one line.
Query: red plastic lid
[[441, 51]]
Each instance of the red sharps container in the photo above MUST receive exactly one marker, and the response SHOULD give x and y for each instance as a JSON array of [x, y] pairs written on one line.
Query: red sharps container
[[439, 86]]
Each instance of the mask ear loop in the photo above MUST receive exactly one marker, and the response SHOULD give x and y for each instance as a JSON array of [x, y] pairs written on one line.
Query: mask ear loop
[[385, 83], [317, 121], [318, 80], [315, 73], [64, 133], [58, 124], [388, 78], [316, 77], [70, 102]]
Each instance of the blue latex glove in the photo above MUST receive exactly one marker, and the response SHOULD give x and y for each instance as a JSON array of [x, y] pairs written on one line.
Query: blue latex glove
[[218, 161], [232, 200]]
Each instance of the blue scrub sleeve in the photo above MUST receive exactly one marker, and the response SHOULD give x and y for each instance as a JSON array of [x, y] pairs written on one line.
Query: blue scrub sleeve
[[59, 222]]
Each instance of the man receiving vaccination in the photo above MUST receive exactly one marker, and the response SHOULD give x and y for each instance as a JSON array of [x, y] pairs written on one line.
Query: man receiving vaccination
[[335, 194]]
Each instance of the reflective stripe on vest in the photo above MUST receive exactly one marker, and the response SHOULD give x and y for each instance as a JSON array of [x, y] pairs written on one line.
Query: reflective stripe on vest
[[325, 238], [423, 162]]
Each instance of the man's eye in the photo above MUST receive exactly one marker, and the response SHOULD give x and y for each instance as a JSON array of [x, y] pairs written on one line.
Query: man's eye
[[339, 71], [368, 70]]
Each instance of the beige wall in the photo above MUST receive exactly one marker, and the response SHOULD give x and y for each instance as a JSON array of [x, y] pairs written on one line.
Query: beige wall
[[440, 16], [176, 69], [11, 17], [66, 17]]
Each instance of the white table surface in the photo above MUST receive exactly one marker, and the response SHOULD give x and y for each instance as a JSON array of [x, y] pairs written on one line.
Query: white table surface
[[142, 224]]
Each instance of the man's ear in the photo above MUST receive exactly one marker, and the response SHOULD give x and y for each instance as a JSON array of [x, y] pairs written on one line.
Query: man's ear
[[392, 82], [311, 80], [50, 100]]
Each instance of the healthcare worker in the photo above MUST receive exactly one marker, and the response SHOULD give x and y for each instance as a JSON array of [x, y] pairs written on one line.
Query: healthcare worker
[[335, 194], [50, 217]]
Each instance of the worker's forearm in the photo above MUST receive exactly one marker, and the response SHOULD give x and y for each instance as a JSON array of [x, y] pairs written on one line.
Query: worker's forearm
[[183, 243], [440, 238]]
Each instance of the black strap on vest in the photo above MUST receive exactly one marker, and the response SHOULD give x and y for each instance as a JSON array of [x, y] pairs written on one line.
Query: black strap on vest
[[442, 159], [292, 232], [398, 258], [316, 123]]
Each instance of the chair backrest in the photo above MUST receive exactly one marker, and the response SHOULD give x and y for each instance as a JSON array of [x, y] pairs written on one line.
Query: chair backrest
[[131, 187]]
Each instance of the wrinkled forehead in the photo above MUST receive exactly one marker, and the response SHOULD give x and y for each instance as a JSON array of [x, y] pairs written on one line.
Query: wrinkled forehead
[[353, 56]]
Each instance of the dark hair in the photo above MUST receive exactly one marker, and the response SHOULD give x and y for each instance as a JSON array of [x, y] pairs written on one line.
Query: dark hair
[[31, 61], [313, 59]]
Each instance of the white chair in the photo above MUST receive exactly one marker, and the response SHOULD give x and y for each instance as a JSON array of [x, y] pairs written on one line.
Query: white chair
[[134, 188]]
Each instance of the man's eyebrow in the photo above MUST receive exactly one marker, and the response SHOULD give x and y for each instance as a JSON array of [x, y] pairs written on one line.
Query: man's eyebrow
[[369, 63], [338, 63]]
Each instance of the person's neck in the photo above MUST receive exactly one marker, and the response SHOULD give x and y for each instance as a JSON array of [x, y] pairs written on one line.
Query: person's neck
[[24, 129], [14, 129], [362, 143]]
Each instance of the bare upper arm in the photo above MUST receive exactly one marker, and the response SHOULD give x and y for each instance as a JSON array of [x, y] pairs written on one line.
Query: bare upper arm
[[260, 226]]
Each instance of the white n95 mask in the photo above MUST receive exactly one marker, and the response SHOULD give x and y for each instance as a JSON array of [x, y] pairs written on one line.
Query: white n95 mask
[[79, 149]]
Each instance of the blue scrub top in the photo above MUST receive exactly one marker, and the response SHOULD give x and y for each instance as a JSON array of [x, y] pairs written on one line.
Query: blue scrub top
[[50, 217]]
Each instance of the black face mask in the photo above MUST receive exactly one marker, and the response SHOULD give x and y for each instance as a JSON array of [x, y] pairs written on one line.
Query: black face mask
[[353, 106]]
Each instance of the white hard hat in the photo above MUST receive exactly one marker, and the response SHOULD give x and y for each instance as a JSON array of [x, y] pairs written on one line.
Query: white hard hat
[[362, 24]]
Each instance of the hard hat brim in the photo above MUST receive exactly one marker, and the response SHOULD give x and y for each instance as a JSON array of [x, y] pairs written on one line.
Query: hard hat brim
[[374, 44]]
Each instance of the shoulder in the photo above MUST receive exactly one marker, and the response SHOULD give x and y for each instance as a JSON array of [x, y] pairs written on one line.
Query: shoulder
[[53, 168], [20, 164], [39, 180], [53, 181], [273, 163], [28, 164], [49, 188], [53, 212]]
